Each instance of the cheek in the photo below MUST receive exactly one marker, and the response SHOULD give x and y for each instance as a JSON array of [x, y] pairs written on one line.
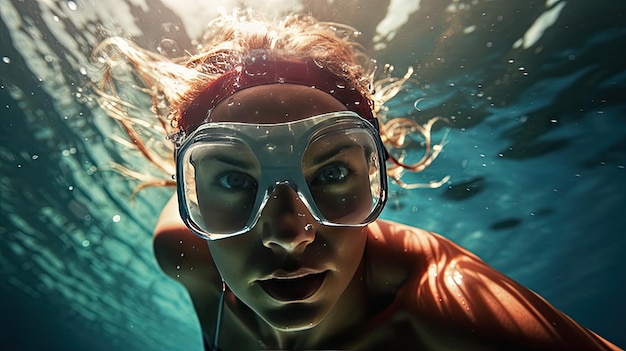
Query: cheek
[[349, 246], [229, 258]]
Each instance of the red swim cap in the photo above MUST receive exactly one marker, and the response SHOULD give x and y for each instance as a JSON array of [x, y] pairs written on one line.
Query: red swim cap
[[261, 72]]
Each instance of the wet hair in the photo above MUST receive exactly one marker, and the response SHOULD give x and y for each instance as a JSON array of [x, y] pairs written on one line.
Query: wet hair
[[172, 84]]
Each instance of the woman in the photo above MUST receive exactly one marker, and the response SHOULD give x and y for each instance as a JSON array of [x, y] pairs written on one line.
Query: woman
[[281, 169]]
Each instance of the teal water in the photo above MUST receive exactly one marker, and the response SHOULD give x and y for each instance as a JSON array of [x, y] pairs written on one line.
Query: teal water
[[536, 150]]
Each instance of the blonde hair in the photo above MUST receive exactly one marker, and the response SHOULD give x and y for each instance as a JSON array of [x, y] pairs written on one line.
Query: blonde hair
[[173, 83]]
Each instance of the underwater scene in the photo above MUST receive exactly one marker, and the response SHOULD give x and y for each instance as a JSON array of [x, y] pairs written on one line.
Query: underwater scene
[[532, 95]]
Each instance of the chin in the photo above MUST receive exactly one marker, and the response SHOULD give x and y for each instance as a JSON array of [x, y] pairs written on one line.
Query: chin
[[296, 317], [296, 327]]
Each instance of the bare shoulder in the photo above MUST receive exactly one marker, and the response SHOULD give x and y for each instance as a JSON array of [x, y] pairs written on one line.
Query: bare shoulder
[[452, 296], [182, 255]]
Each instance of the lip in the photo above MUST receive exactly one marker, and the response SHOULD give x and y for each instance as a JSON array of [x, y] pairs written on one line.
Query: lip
[[293, 286]]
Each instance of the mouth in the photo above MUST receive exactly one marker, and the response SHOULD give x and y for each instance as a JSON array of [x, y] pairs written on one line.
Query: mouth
[[294, 287]]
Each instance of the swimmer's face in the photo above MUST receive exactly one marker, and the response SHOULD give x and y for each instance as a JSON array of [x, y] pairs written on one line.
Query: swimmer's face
[[288, 269]]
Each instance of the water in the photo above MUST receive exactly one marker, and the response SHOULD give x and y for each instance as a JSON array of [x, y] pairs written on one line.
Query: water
[[536, 151]]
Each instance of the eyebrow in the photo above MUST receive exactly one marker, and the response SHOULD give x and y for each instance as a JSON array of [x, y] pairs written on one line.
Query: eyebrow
[[235, 162], [334, 152], [224, 159]]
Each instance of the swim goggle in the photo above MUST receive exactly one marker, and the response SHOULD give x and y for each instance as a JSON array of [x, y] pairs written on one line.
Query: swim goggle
[[228, 171]]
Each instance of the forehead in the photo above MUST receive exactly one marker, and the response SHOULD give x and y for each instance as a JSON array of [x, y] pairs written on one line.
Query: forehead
[[274, 103]]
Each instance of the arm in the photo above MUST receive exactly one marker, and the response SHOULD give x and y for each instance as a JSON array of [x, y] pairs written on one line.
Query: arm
[[456, 295], [181, 255], [186, 258]]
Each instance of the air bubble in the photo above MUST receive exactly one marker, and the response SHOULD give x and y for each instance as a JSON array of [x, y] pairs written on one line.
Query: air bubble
[[318, 63], [388, 69], [417, 102], [6, 60], [170, 27], [72, 5], [168, 48]]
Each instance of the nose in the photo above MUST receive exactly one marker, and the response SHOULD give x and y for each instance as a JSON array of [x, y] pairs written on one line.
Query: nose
[[288, 226]]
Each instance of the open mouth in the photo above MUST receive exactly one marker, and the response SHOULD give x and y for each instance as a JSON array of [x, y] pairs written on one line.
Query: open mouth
[[293, 289]]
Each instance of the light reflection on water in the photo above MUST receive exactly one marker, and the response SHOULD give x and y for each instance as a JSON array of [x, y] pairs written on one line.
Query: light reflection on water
[[536, 152]]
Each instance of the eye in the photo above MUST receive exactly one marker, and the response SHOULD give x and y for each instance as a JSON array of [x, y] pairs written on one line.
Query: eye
[[331, 174], [237, 181]]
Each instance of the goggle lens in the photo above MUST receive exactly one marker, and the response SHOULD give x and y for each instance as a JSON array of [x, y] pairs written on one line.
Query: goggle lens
[[228, 171]]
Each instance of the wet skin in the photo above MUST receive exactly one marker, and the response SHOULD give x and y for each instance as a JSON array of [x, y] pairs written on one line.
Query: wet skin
[[295, 284], [286, 250]]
